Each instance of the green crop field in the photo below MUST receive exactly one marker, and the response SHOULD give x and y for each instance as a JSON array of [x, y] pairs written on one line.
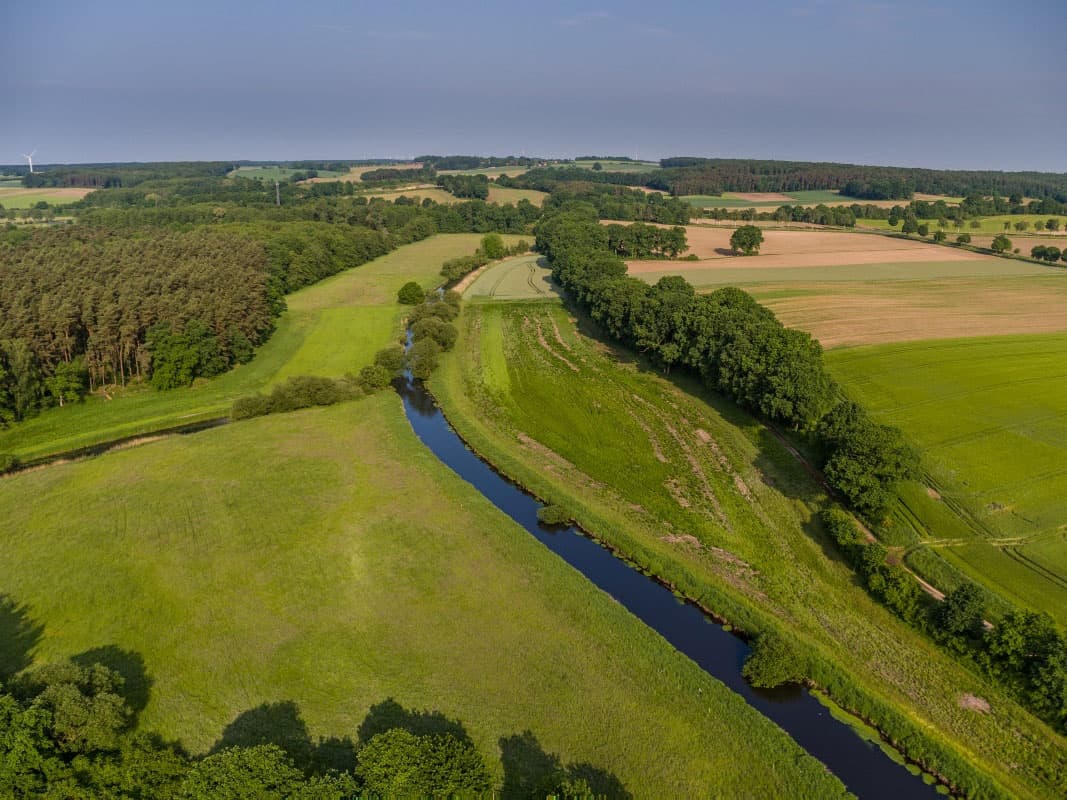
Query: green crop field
[[331, 328], [521, 278], [620, 166], [291, 559], [701, 494], [731, 200], [504, 194], [702, 276], [274, 173], [990, 418], [492, 172], [25, 198], [993, 224]]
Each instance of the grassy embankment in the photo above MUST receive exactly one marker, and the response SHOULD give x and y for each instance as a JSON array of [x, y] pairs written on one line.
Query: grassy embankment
[[331, 328], [990, 418], [701, 494], [327, 559]]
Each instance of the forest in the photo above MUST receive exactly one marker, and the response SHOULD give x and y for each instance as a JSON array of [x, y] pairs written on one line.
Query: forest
[[684, 176]]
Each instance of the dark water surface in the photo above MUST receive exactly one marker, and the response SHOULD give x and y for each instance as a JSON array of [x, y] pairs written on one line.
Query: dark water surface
[[862, 766]]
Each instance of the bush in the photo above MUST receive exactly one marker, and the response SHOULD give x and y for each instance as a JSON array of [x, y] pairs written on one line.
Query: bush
[[411, 294], [375, 377], [963, 238], [773, 661], [444, 333], [553, 515], [254, 405], [8, 462], [422, 358], [493, 246], [390, 358]]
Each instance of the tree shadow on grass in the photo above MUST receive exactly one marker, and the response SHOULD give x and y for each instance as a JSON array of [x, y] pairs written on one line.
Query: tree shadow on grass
[[529, 771], [389, 714], [281, 724], [19, 636], [137, 684]]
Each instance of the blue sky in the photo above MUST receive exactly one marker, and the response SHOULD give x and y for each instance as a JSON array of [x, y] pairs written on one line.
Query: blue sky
[[944, 83]]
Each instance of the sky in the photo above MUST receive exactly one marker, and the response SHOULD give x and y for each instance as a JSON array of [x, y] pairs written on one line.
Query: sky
[[956, 84]]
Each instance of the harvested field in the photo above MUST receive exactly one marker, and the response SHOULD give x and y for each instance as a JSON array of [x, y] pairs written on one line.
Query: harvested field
[[873, 313], [503, 194], [783, 248], [422, 192], [762, 197], [520, 278]]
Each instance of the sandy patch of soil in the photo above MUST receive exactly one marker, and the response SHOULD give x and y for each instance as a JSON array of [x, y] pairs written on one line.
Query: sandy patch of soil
[[974, 703]]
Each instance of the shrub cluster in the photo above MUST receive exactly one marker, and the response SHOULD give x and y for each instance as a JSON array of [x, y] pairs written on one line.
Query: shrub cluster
[[432, 333], [1048, 253], [491, 249], [300, 391]]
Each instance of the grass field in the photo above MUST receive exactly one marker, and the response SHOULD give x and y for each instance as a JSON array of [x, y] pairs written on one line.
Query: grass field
[[993, 224], [325, 558], [768, 200], [331, 328], [279, 173], [520, 278], [492, 172], [504, 194], [990, 417], [620, 166], [711, 501], [13, 197], [434, 193]]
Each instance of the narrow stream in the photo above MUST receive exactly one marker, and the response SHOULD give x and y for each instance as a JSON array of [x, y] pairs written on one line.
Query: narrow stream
[[861, 765]]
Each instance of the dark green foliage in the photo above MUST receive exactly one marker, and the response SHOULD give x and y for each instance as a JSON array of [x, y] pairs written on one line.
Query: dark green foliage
[[773, 661], [423, 358], [374, 377], [390, 175], [8, 462], [475, 187], [747, 240], [391, 359], [1001, 244], [962, 610], [553, 515], [963, 238], [493, 246], [179, 357], [300, 391], [410, 294], [1050, 254], [646, 241], [435, 328], [455, 268], [399, 763], [864, 460]]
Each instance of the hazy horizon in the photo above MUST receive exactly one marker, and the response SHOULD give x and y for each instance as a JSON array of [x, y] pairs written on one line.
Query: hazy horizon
[[949, 84]]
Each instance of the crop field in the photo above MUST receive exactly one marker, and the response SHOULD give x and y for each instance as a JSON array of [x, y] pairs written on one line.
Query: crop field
[[990, 225], [13, 197], [274, 173], [504, 194], [990, 417], [422, 192], [491, 172], [331, 328], [710, 500], [875, 308], [765, 200], [520, 278], [620, 166], [285, 570]]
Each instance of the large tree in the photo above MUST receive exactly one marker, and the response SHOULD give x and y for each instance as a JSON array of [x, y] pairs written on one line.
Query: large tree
[[747, 240]]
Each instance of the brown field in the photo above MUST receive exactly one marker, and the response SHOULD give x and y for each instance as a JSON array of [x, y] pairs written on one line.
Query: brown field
[[840, 314], [422, 192], [356, 173], [801, 248]]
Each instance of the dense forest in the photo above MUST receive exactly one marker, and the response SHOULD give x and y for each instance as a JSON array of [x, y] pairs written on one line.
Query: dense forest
[[106, 176], [478, 162], [465, 186], [683, 176]]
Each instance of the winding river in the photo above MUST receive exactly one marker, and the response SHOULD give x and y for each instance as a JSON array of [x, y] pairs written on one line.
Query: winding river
[[861, 765]]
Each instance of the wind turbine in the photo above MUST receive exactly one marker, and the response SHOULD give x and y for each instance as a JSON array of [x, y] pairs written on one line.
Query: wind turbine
[[29, 158]]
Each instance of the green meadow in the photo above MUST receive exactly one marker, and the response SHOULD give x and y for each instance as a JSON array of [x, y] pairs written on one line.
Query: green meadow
[[275, 173], [609, 165], [304, 567], [330, 329], [989, 416], [696, 491]]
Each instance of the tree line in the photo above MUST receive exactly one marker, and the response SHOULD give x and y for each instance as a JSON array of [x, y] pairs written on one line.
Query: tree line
[[478, 162], [614, 202], [474, 187], [69, 729], [104, 176], [736, 346]]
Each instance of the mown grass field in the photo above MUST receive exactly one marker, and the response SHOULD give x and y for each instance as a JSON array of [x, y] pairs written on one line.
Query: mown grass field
[[830, 197], [491, 172], [331, 328], [994, 224], [520, 278], [505, 194], [990, 417], [609, 165], [278, 173], [709, 499], [327, 559], [15, 197]]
